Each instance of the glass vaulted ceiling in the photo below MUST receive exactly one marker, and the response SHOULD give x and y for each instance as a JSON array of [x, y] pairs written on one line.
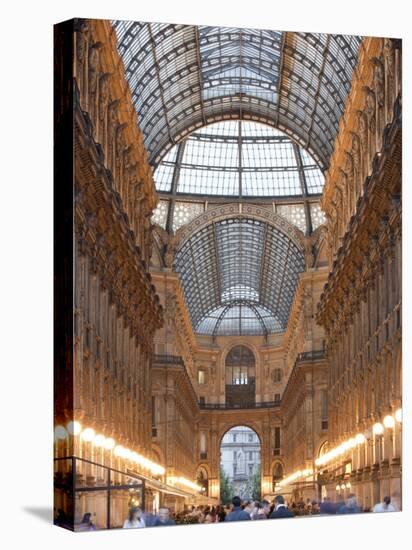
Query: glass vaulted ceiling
[[183, 77], [237, 114], [232, 284], [238, 159]]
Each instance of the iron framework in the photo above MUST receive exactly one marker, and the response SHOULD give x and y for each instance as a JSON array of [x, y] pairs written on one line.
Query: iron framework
[[183, 77], [231, 286]]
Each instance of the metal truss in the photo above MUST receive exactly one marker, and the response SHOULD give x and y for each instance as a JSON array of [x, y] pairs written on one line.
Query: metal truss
[[183, 77], [230, 287], [240, 159]]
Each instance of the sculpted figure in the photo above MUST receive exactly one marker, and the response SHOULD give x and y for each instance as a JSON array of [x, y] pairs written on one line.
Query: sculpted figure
[[349, 171], [389, 61], [82, 38], [120, 148], [103, 105], [112, 124], [363, 141], [93, 71], [370, 110], [170, 251], [379, 83], [309, 256]]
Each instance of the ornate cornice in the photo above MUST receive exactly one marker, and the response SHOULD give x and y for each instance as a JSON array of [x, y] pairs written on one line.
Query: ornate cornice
[[370, 236], [369, 109], [103, 232]]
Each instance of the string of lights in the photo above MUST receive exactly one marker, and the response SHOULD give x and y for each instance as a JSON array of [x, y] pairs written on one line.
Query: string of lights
[[377, 429]]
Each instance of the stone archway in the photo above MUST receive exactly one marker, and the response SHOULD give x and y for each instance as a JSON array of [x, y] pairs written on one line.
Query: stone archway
[[252, 211], [240, 464]]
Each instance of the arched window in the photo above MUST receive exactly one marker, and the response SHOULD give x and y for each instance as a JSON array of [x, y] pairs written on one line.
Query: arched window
[[240, 377], [277, 375]]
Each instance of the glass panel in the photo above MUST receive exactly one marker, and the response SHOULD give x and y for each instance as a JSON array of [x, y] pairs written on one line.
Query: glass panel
[[160, 214], [90, 475], [121, 500], [230, 286], [181, 76], [91, 510], [184, 212], [63, 493], [317, 214], [267, 166], [295, 213]]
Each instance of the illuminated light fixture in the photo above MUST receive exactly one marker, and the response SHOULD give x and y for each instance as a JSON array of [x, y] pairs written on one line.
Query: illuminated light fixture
[[188, 483], [88, 434], [377, 428], [398, 415], [343, 486], [99, 440], [109, 443], [348, 485], [118, 450], [127, 454], [338, 487], [60, 432], [296, 475], [352, 443], [135, 457], [389, 421], [360, 438], [74, 427]]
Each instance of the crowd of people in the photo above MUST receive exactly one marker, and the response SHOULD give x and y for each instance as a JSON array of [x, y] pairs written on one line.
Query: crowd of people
[[252, 510], [240, 511]]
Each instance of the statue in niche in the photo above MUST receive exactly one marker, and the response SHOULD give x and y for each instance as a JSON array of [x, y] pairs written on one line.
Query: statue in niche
[[82, 38], [379, 84], [128, 167], [370, 111], [112, 124], [103, 105], [93, 71], [120, 146], [148, 237], [357, 181], [363, 139], [309, 255], [136, 197], [170, 251], [170, 306], [351, 191], [389, 61], [347, 198]]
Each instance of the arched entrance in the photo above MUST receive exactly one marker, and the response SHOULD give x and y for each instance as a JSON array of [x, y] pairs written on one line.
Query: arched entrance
[[240, 464]]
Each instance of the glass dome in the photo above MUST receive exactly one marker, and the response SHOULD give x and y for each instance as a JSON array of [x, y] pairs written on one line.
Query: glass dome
[[238, 159]]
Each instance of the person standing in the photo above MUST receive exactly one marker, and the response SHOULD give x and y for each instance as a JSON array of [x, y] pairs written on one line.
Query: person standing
[[237, 514], [135, 519], [86, 523], [280, 510], [384, 506], [351, 506], [164, 518]]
